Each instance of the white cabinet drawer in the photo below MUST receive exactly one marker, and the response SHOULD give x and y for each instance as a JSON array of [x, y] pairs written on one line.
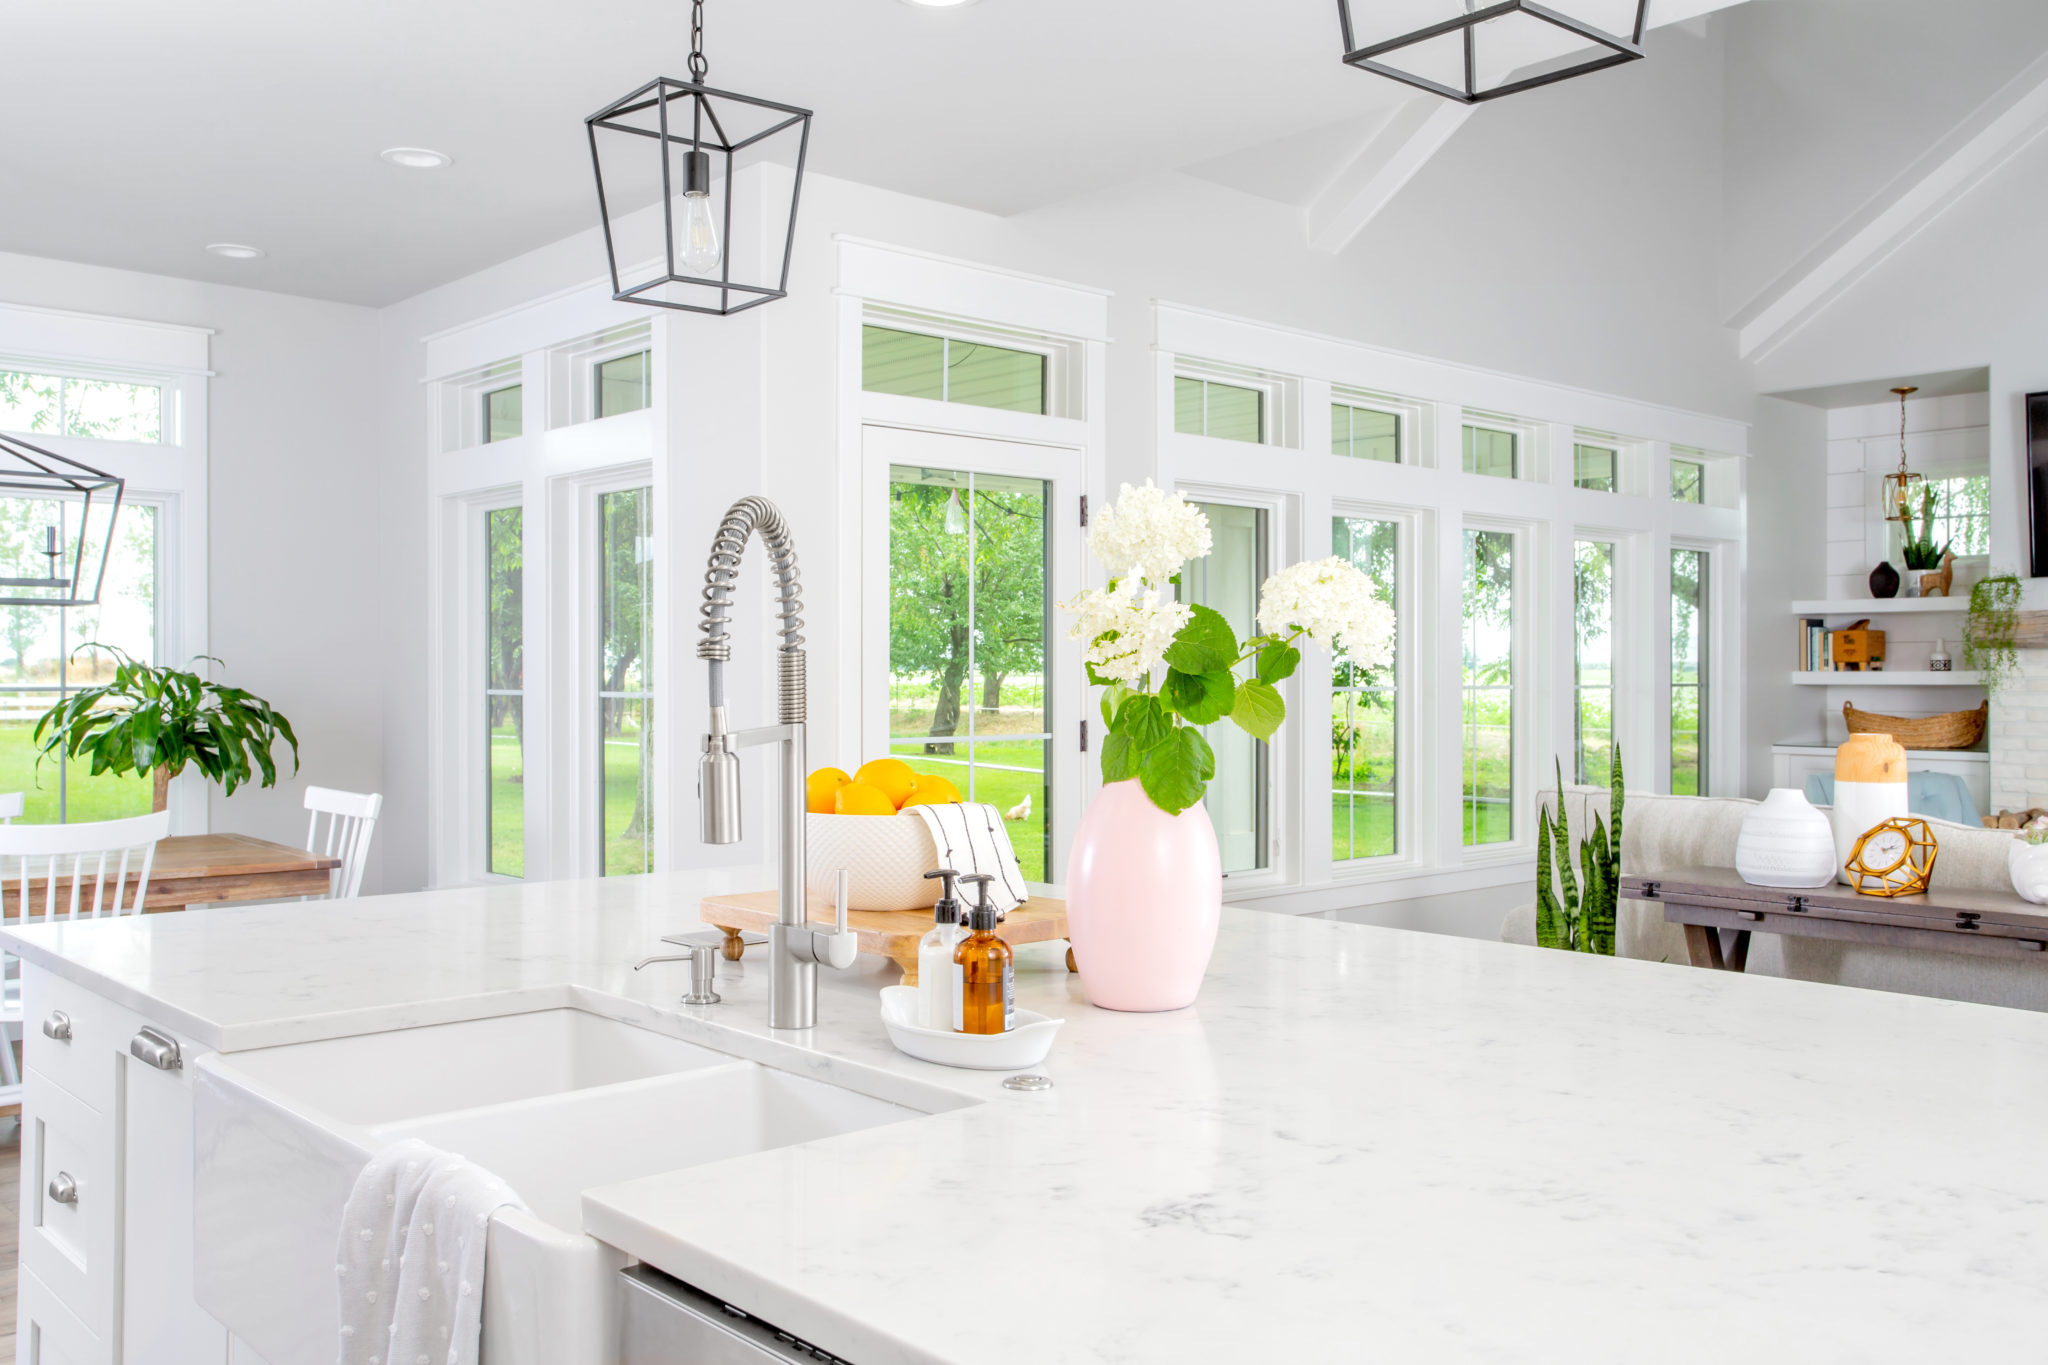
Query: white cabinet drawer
[[48, 1333], [72, 1036], [70, 1201]]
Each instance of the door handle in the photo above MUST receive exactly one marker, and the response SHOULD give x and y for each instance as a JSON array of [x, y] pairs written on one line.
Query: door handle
[[63, 1188], [58, 1026], [160, 1050]]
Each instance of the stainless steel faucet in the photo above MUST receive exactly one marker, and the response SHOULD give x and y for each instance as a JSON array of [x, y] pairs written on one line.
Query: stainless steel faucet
[[795, 947]]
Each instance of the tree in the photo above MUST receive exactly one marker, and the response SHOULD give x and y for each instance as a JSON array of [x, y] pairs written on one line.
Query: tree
[[626, 540], [504, 615], [998, 560]]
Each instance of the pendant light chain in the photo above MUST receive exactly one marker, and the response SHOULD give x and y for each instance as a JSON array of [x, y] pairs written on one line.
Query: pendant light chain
[[698, 66]]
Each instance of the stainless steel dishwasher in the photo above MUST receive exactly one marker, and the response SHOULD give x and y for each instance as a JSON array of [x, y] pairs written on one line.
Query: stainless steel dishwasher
[[666, 1322]]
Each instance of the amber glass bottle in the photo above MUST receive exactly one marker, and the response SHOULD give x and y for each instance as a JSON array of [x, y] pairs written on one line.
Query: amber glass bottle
[[986, 971]]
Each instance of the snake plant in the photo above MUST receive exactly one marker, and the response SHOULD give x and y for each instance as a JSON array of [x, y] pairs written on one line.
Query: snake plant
[[1569, 918]]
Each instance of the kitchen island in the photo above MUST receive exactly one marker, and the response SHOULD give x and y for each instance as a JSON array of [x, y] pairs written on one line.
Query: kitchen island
[[1360, 1143]]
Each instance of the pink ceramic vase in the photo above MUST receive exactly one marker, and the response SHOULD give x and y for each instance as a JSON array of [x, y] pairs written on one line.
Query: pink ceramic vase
[[1144, 893]]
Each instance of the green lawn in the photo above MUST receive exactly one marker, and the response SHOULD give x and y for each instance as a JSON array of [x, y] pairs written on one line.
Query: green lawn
[[508, 804], [1000, 786], [89, 798], [628, 848]]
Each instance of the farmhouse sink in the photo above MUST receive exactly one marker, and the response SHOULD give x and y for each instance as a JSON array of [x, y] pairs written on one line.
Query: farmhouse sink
[[554, 1101]]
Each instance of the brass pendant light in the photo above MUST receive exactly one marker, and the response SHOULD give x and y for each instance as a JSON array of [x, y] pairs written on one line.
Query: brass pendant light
[[1898, 487]]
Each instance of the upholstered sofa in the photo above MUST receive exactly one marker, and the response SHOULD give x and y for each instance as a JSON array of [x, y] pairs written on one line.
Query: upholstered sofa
[[1664, 832]]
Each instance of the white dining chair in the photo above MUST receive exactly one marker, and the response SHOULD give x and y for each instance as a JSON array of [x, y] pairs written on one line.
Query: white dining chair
[[53, 873], [351, 820]]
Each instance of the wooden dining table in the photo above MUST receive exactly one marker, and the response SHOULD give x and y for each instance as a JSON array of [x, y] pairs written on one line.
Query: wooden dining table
[[203, 869]]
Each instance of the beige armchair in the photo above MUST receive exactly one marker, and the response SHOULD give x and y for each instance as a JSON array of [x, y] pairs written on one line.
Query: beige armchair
[[1664, 832]]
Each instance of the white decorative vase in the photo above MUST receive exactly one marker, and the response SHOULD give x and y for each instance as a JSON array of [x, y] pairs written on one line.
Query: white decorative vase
[[2028, 864], [1785, 842]]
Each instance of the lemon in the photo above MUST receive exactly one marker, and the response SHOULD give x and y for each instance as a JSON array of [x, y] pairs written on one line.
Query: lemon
[[820, 787], [890, 776], [933, 790], [858, 798]]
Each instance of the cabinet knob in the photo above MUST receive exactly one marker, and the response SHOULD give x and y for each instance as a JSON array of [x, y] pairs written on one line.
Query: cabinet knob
[[160, 1050], [58, 1026], [63, 1188]]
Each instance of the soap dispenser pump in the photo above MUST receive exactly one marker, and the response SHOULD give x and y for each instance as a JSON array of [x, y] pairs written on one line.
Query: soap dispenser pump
[[986, 970], [937, 997]]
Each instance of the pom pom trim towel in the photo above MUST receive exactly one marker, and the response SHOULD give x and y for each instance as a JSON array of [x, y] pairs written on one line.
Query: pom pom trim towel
[[411, 1260]]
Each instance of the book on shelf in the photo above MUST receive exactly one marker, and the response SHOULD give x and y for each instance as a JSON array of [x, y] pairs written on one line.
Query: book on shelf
[[1816, 646]]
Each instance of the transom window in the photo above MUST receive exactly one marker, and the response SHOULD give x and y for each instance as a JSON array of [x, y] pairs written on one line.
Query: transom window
[[1229, 412], [622, 384], [1594, 467], [951, 370], [1489, 687], [625, 685], [969, 606], [1365, 433], [1688, 480], [1491, 452], [1688, 672], [1365, 710], [503, 414], [66, 405], [1593, 660]]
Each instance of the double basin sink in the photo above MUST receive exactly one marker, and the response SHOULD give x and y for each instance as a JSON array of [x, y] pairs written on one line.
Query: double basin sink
[[556, 1102]]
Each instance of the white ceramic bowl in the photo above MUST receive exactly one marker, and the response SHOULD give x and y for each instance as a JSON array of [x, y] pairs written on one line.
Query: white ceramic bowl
[[887, 856], [1025, 1045]]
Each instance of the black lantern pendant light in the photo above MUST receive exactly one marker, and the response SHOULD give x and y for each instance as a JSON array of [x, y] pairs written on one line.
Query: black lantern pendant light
[[683, 146], [1473, 50], [81, 503]]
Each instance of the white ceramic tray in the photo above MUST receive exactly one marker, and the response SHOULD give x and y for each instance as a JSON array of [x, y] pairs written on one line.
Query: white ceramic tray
[[1025, 1045]]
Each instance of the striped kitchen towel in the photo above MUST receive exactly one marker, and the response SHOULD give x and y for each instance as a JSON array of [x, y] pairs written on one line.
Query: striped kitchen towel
[[971, 839]]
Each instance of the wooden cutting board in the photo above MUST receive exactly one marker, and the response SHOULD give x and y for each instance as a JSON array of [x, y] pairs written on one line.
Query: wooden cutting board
[[893, 934]]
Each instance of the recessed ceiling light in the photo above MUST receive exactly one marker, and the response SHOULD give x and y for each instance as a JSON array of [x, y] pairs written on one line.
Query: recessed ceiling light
[[234, 251], [938, 4], [416, 158]]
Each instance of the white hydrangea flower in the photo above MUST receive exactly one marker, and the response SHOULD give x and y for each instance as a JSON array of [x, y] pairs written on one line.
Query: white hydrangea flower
[[1148, 533], [1125, 631], [1334, 603]]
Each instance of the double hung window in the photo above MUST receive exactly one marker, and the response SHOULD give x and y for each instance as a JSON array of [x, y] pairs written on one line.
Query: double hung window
[[1365, 709], [1489, 687]]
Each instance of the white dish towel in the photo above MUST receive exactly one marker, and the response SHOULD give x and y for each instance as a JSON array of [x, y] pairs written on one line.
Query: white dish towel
[[970, 839], [411, 1260]]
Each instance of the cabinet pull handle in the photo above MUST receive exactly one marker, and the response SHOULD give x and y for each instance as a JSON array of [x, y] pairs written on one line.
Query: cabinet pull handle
[[160, 1050], [63, 1188], [58, 1026]]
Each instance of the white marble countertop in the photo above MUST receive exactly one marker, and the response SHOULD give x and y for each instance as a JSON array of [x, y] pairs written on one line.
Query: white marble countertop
[[1360, 1144]]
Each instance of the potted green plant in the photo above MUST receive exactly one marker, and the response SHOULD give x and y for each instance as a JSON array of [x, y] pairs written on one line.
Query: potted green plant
[[158, 720], [1990, 630], [1920, 551]]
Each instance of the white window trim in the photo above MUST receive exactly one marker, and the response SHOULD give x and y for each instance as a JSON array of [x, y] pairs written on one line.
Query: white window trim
[[1416, 442], [1065, 358], [170, 474], [1552, 513], [1280, 411], [876, 280]]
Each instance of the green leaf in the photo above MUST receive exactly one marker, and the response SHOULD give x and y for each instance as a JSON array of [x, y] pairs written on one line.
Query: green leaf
[[1259, 708], [1200, 698], [1206, 644], [1277, 662], [1144, 720], [1119, 758], [1550, 925], [1176, 773]]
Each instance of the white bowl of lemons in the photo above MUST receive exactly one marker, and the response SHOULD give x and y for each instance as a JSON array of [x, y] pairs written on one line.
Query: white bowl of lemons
[[861, 824]]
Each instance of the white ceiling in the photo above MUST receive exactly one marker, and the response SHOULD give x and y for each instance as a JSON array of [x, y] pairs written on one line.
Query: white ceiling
[[144, 131]]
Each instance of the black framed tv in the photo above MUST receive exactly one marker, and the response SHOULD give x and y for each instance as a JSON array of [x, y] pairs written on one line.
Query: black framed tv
[[2037, 484]]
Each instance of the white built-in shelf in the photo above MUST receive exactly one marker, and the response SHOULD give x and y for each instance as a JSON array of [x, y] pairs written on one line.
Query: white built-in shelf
[[1890, 678], [1880, 606]]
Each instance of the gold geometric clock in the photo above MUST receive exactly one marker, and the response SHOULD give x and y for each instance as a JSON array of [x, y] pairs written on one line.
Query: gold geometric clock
[[1895, 858]]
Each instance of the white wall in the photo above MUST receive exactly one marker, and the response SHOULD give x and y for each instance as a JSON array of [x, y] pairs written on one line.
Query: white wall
[[1828, 100], [294, 494], [1787, 487]]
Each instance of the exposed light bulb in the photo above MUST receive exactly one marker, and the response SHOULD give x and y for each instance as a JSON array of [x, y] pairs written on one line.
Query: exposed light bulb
[[699, 236], [956, 515]]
